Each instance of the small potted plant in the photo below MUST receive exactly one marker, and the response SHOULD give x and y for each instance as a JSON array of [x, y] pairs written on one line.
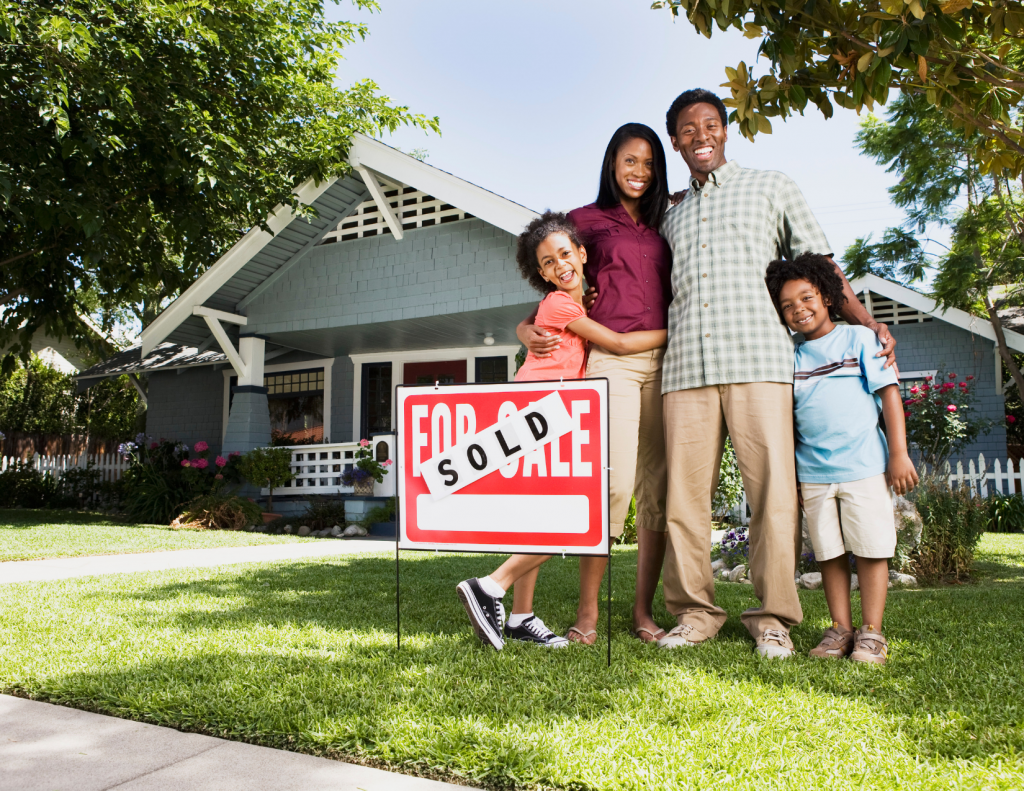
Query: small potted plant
[[270, 468], [365, 471]]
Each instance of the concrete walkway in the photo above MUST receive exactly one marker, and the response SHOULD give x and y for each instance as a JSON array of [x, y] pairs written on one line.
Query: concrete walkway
[[52, 748], [66, 568]]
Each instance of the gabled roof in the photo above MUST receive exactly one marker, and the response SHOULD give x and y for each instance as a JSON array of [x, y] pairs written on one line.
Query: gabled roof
[[165, 357], [259, 255], [918, 301]]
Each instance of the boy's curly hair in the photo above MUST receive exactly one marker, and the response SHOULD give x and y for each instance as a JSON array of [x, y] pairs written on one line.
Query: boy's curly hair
[[817, 270], [529, 240]]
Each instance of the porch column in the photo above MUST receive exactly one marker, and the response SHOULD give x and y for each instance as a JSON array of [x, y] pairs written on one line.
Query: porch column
[[249, 420]]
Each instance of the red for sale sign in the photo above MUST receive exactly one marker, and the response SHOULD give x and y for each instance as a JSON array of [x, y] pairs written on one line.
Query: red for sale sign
[[506, 467]]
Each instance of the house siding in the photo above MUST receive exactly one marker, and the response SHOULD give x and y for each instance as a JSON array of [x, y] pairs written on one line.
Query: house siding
[[187, 407], [936, 344], [453, 268]]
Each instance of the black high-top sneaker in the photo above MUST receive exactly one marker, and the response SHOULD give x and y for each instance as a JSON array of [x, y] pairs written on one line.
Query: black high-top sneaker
[[486, 613], [533, 630]]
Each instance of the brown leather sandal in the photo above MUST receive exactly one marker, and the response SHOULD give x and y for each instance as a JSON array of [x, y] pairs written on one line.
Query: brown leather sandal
[[575, 635]]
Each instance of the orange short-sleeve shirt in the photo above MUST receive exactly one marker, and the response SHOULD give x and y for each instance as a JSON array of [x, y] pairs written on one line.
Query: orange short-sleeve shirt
[[557, 310]]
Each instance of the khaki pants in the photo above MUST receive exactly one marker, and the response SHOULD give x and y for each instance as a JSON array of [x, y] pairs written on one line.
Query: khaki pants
[[636, 435], [759, 418]]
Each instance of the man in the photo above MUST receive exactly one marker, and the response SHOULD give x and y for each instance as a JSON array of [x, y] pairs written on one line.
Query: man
[[729, 370]]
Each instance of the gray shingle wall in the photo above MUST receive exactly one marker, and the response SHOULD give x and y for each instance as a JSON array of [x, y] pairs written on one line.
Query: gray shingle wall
[[451, 268], [187, 407], [936, 344], [342, 380]]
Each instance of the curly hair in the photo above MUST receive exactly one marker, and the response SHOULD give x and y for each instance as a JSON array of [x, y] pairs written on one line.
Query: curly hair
[[529, 240], [817, 270]]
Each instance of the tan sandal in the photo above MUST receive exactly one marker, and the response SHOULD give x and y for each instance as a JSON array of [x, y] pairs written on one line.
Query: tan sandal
[[575, 635], [652, 637]]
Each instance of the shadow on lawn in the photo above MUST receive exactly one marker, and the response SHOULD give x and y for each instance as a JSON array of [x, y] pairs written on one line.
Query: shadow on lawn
[[950, 687]]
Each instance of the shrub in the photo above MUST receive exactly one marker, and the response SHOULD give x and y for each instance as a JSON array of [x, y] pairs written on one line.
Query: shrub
[[953, 523], [323, 513], [366, 466], [267, 468], [730, 484], [629, 526], [941, 419], [164, 476], [1006, 513], [219, 512], [23, 486], [380, 513]]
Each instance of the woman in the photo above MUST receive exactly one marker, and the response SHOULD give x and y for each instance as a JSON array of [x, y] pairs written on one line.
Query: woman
[[627, 270]]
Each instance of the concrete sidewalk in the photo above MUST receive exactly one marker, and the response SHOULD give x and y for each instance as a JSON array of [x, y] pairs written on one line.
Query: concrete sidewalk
[[52, 748], [66, 568]]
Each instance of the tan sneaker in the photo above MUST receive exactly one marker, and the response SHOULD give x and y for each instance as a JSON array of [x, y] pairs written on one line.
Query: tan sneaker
[[775, 644], [836, 643], [682, 635], [869, 646]]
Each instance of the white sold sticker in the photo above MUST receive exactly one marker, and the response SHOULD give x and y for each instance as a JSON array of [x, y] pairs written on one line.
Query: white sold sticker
[[492, 448]]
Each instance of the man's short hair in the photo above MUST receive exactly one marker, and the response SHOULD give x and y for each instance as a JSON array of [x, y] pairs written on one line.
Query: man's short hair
[[817, 270], [694, 96]]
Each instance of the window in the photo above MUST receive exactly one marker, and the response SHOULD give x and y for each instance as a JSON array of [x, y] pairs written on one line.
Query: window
[[492, 369], [296, 403], [912, 379], [376, 400]]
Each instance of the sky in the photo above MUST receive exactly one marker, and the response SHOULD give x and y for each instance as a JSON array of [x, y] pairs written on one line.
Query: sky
[[528, 94]]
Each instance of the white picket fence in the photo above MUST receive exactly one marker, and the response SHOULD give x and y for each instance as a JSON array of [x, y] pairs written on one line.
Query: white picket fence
[[1001, 474], [110, 465]]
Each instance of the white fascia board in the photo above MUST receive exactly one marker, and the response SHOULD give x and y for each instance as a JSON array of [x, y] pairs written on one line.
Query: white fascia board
[[227, 266], [486, 205], [914, 299]]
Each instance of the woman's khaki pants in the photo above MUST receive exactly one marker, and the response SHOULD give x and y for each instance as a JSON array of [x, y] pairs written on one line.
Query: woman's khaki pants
[[759, 418], [637, 435]]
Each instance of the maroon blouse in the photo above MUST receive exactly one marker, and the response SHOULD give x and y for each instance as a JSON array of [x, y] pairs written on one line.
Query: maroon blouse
[[630, 264]]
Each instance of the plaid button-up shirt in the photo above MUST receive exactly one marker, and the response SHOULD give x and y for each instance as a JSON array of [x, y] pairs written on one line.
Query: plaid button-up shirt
[[722, 326]]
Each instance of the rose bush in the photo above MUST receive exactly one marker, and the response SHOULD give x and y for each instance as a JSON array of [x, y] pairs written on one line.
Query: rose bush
[[941, 420]]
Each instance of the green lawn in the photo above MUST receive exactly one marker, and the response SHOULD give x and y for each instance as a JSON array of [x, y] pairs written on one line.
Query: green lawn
[[28, 535], [302, 656]]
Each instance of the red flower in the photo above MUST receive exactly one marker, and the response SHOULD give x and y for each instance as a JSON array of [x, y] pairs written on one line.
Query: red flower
[[218, 477], [363, 443], [927, 378], [1011, 419], [184, 463], [154, 445], [200, 464], [906, 414], [926, 388], [952, 376], [951, 408], [915, 389], [969, 377], [200, 446]]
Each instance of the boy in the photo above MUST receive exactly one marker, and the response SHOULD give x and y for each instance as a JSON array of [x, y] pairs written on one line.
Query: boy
[[844, 465]]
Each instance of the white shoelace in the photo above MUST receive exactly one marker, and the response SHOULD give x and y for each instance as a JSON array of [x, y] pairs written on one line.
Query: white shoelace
[[538, 628], [500, 608], [776, 635]]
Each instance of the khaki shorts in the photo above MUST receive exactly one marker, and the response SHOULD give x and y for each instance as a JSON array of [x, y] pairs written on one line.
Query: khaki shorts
[[855, 516]]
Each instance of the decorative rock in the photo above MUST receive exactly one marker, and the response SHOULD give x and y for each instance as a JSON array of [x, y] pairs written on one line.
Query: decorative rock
[[854, 582], [738, 573], [336, 530], [889, 585], [350, 531], [905, 580], [717, 564], [286, 529], [811, 580], [304, 530], [745, 581]]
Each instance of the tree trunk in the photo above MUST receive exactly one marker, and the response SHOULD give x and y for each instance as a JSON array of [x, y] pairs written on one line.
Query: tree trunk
[[1004, 350]]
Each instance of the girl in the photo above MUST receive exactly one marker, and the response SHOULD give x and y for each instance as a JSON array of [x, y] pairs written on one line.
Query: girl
[[551, 256], [627, 268]]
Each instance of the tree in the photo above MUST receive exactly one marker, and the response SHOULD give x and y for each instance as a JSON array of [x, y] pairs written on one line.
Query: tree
[[963, 57], [140, 138], [983, 271]]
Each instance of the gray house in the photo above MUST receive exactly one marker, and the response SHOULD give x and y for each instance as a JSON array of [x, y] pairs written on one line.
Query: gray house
[[407, 275]]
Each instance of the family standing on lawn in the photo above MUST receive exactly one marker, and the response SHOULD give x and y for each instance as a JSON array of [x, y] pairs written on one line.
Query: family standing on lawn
[[688, 315]]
